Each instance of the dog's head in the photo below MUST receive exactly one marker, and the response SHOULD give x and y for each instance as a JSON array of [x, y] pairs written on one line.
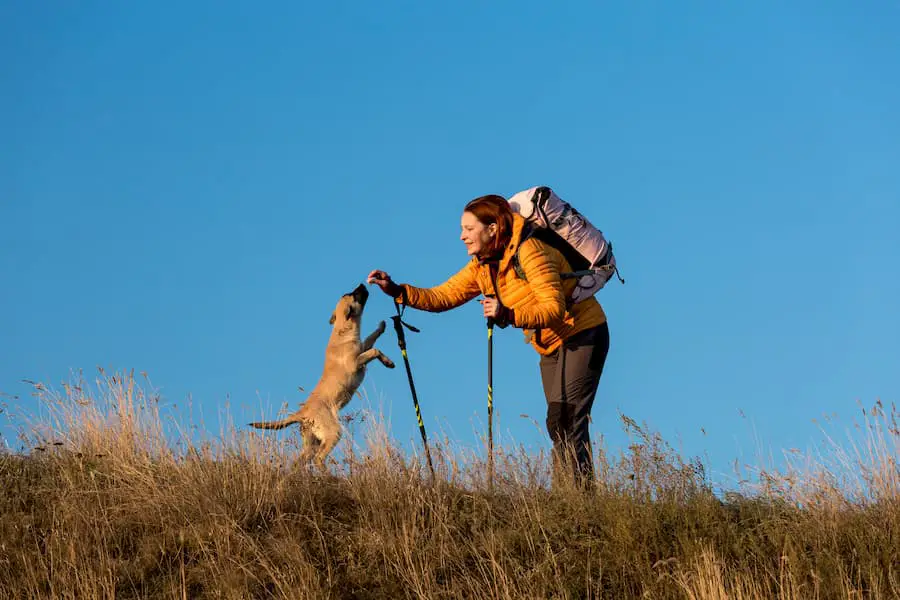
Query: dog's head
[[350, 307]]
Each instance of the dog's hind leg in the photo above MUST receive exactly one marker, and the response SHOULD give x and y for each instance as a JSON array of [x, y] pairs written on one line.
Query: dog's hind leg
[[326, 447], [370, 355], [310, 445], [370, 341], [308, 452]]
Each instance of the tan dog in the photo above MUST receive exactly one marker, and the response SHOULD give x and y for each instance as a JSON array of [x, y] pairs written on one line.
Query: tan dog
[[346, 357]]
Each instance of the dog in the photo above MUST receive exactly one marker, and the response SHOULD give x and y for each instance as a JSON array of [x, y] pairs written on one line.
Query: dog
[[346, 357]]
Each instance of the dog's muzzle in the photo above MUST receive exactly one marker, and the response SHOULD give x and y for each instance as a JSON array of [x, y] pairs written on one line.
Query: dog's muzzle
[[360, 294]]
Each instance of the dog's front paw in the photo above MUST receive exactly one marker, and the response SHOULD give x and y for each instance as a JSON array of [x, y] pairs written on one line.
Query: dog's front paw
[[388, 362], [381, 327]]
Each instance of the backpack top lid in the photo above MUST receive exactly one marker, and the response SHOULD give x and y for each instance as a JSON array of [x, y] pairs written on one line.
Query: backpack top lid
[[523, 202]]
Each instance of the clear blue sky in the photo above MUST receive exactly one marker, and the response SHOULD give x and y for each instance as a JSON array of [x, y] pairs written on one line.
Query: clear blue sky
[[185, 189]]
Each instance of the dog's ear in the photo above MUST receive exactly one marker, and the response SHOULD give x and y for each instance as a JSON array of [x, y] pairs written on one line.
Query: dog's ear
[[332, 319]]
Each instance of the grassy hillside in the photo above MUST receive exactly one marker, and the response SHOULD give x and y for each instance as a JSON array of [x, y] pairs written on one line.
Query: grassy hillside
[[106, 506]]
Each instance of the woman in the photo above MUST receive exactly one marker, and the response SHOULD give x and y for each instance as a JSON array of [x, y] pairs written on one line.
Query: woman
[[571, 339]]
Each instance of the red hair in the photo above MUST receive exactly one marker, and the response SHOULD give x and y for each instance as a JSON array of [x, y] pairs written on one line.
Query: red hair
[[493, 209]]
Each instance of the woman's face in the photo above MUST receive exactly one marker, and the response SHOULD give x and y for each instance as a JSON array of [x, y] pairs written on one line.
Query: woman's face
[[475, 234]]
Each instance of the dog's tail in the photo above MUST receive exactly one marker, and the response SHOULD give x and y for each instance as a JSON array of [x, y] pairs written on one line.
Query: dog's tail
[[275, 424]]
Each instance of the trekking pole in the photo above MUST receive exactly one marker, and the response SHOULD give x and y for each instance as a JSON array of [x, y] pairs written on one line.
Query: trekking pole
[[399, 324], [490, 398]]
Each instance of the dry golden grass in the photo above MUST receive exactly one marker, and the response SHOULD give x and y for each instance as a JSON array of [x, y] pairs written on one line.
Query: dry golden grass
[[125, 507]]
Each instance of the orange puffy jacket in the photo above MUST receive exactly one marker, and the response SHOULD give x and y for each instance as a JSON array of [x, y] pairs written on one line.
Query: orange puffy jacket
[[537, 304]]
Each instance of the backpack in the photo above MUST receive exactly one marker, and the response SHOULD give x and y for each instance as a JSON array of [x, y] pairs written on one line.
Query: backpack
[[554, 221]]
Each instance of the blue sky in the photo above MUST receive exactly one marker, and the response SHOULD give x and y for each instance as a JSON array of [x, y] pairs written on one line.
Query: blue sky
[[185, 189]]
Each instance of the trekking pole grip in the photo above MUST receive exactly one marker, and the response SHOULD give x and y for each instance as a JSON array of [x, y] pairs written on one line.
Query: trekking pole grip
[[490, 320]]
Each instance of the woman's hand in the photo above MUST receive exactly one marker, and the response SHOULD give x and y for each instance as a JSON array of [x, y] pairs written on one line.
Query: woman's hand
[[491, 307], [502, 315], [384, 281]]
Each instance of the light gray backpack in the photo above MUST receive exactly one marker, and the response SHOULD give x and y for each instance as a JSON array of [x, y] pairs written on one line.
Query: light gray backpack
[[554, 221]]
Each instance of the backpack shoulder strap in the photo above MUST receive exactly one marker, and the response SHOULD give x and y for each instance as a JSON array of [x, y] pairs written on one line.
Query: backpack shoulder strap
[[527, 232], [518, 266]]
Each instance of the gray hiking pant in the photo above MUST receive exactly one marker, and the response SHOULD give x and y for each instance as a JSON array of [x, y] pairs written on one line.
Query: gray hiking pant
[[570, 377]]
